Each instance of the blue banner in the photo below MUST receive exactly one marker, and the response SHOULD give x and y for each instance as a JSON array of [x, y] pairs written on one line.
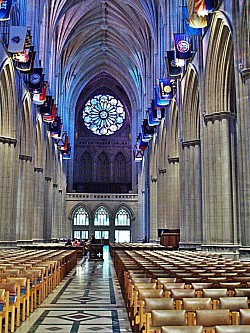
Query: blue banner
[[151, 120], [173, 71], [5, 7], [165, 89], [182, 46]]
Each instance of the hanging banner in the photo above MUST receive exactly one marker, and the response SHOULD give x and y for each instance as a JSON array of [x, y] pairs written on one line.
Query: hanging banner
[[46, 108], [17, 38], [67, 153], [27, 67], [62, 143], [151, 120], [165, 89], [192, 31], [147, 131], [40, 98], [173, 71], [35, 80], [204, 7], [5, 7], [143, 145], [138, 153], [182, 46], [194, 20], [50, 118]]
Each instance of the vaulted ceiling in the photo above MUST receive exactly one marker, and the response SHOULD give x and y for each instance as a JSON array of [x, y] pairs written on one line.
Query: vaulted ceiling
[[98, 39]]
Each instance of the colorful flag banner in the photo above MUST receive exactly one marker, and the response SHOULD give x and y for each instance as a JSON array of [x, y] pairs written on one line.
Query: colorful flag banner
[[28, 39], [36, 80], [173, 71], [27, 67], [62, 143], [40, 98], [55, 128], [192, 31], [143, 145], [165, 89], [158, 111], [5, 7], [17, 38], [46, 108], [158, 102], [204, 7], [182, 46], [50, 118], [147, 131], [151, 120], [21, 56], [194, 20], [67, 154], [138, 153]]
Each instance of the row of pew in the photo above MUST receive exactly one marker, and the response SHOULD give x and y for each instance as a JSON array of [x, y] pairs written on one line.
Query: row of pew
[[184, 291], [27, 277]]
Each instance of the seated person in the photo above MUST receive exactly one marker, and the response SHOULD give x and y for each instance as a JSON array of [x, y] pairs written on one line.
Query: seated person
[[75, 243], [68, 243]]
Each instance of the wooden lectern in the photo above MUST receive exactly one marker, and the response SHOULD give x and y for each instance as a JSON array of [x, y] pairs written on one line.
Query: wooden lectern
[[96, 252]]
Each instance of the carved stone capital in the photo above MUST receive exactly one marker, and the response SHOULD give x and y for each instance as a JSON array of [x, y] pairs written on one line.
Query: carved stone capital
[[9, 141], [55, 185], [173, 160], [48, 179], [39, 170], [219, 116], [191, 143], [25, 158]]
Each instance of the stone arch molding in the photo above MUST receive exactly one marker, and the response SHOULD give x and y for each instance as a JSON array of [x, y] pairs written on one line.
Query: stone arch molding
[[219, 70], [190, 118], [80, 205], [128, 209], [8, 103]]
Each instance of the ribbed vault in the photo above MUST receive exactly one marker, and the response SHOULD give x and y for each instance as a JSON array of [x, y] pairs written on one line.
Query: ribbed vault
[[96, 38]]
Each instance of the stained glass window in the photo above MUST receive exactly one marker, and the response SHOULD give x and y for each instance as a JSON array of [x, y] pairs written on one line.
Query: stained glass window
[[122, 218], [103, 114], [81, 217], [101, 217]]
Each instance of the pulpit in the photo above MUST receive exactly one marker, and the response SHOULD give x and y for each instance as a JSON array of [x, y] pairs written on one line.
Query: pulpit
[[96, 252]]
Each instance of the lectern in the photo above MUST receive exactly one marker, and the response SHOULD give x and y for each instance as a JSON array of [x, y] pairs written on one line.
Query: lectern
[[96, 252]]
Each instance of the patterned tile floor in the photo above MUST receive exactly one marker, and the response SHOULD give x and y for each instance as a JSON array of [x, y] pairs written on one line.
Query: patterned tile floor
[[89, 300]]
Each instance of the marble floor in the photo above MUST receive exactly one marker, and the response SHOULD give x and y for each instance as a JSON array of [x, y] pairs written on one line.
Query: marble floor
[[88, 300]]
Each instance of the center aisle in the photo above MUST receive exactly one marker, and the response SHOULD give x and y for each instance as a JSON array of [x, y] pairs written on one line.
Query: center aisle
[[88, 300]]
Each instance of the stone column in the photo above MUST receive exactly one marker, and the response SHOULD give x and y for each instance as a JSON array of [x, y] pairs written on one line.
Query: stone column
[[219, 182], [190, 210], [173, 193], [39, 204], [8, 188], [48, 200], [243, 116], [55, 214], [26, 211], [161, 199], [153, 208]]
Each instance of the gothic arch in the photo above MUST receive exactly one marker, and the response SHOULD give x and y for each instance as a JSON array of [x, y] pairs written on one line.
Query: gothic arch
[[8, 103], [120, 170], [26, 129], [191, 116], [80, 205], [245, 35], [103, 167], [219, 69], [219, 137], [126, 207]]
